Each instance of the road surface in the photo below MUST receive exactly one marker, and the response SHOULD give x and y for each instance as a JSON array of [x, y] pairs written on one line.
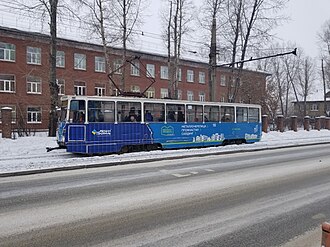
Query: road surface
[[264, 198]]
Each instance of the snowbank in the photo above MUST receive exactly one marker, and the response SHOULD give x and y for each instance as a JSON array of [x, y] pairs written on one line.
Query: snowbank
[[29, 153]]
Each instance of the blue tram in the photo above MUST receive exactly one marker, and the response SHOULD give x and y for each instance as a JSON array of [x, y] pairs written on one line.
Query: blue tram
[[95, 125]]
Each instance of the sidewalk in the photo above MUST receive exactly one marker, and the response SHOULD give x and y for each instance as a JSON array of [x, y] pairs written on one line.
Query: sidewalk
[[309, 239]]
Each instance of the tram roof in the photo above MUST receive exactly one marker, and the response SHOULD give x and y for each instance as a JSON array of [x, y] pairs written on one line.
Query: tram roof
[[152, 100]]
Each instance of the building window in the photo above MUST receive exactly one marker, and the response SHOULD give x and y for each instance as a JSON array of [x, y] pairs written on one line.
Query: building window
[[190, 75], [79, 88], [135, 68], [135, 89], [179, 94], [223, 80], [7, 83], [34, 114], [99, 64], [33, 55], [7, 52], [164, 72], [117, 66], [163, 93], [201, 96], [99, 90], [151, 70], [179, 74], [80, 61], [60, 59], [150, 92], [190, 95], [61, 89], [33, 85], [314, 107], [13, 112], [201, 77]]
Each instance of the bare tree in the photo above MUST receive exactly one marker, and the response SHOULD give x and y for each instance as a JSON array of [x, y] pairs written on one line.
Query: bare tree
[[100, 16], [306, 78], [176, 21], [249, 24], [271, 99], [324, 37], [291, 68], [127, 16], [49, 9], [115, 23]]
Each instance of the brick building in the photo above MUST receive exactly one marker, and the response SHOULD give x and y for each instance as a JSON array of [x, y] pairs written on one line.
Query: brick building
[[24, 73]]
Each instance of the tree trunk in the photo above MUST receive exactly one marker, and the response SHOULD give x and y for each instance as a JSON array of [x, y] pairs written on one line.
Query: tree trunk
[[52, 75]]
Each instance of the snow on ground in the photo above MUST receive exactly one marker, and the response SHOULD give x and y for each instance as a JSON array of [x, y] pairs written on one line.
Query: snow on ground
[[29, 153]]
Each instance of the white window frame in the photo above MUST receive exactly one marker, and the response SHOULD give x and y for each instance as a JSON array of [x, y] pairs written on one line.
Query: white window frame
[[7, 52], [135, 89], [314, 107], [33, 55], [79, 61], [60, 59], [190, 75], [164, 72], [33, 85], [117, 64], [151, 92], [179, 74], [201, 96], [223, 80], [61, 86], [79, 88], [135, 69], [163, 93], [99, 64], [201, 77], [7, 85], [34, 114], [190, 95], [179, 94], [150, 70], [99, 91]]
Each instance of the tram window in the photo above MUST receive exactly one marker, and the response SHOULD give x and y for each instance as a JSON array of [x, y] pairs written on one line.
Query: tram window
[[101, 111], [227, 114], [154, 112], [211, 113], [129, 111], [241, 114], [64, 108], [254, 115], [77, 111], [175, 113], [194, 113]]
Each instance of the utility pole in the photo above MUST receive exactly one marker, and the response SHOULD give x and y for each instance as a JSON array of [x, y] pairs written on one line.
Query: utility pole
[[169, 58], [213, 62]]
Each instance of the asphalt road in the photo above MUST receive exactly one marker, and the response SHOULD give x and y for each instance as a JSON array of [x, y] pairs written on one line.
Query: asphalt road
[[264, 198]]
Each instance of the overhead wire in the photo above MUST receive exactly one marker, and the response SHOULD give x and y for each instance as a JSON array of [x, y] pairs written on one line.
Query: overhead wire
[[74, 24]]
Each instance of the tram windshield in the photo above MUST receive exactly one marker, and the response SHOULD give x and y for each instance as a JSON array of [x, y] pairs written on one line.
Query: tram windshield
[[77, 111]]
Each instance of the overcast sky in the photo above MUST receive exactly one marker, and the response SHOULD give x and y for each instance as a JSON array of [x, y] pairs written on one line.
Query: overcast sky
[[305, 20]]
